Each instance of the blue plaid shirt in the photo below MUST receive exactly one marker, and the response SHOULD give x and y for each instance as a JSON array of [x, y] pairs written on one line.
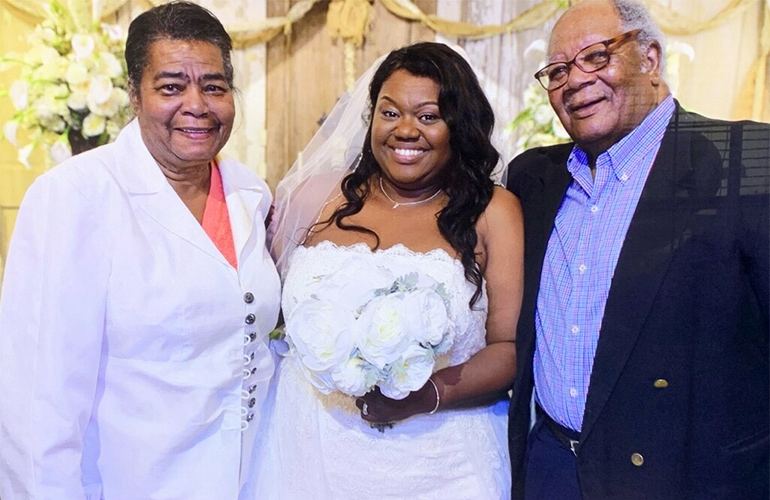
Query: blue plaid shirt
[[582, 253]]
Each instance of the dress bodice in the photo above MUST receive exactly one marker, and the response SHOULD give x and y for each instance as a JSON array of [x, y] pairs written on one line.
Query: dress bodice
[[308, 266]]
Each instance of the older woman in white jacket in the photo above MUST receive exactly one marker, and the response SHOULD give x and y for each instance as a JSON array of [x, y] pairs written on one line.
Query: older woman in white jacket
[[139, 295]]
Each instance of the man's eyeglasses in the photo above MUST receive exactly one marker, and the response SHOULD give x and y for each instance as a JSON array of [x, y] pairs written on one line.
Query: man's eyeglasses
[[590, 59]]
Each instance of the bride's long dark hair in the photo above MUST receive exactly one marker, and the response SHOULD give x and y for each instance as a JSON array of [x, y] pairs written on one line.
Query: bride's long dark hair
[[467, 179]]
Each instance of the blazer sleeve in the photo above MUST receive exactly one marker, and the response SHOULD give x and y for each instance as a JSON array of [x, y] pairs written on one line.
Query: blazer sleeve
[[52, 314]]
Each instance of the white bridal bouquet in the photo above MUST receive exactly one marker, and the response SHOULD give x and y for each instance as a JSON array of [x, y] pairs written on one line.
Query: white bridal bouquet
[[362, 326], [71, 93]]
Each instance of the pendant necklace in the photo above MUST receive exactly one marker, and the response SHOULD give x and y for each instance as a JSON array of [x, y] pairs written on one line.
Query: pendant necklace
[[397, 204]]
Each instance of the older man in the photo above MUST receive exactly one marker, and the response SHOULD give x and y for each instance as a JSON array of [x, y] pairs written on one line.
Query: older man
[[644, 327]]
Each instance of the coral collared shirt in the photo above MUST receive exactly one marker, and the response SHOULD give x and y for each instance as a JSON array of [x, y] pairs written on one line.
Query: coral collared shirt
[[216, 219]]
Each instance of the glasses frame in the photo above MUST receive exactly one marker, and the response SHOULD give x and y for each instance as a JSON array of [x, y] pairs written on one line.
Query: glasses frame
[[618, 40]]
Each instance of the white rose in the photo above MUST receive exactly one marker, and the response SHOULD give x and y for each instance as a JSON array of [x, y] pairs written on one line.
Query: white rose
[[382, 330], [100, 89], [408, 373], [60, 151], [320, 380], [9, 132], [93, 125], [110, 65], [19, 94], [77, 101], [23, 155], [76, 74], [429, 317], [321, 334], [355, 377], [82, 46], [354, 284]]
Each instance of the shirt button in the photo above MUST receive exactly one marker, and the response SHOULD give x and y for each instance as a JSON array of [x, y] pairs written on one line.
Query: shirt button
[[252, 402], [252, 388], [250, 319], [252, 336], [582, 268], [248, 297], [594, 209], [624, 177], [250, 417], [575, 329], [573, 392], [637, 459]]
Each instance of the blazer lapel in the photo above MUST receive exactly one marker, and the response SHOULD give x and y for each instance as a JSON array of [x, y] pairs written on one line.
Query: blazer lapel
[[151, 193], [653, 236], [246, 206]]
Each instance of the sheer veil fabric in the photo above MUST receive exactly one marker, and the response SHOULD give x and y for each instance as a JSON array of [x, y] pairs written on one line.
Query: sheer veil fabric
[[315, 177]]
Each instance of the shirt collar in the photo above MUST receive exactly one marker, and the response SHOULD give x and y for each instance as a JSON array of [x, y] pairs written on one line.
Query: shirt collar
[[623, 156]]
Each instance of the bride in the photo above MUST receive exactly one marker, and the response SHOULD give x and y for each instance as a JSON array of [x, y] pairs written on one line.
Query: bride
[[402, 285]]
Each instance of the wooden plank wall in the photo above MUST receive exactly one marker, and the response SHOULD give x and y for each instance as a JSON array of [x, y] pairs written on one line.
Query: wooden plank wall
[[306, 74]]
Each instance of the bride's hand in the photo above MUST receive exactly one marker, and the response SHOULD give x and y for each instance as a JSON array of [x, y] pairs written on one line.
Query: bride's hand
[[379, 409]]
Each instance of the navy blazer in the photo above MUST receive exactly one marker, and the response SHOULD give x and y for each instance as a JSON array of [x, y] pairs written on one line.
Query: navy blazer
[[680, 374]]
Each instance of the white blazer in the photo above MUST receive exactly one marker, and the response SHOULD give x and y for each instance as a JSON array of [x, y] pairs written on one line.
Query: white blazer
[[134, 360]]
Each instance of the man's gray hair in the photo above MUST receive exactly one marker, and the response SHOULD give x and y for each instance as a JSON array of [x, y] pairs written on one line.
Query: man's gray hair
[[634, 15]]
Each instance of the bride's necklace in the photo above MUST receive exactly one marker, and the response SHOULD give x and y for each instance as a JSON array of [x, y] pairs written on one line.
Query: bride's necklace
[[397, 204]]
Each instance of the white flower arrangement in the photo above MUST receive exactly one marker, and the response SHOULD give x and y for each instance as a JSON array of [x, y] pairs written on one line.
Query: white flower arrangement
[[537, 124], [352, 334], [72, 88]]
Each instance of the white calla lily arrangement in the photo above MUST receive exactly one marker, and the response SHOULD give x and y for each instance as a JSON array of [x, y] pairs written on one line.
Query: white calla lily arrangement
[[71, 94]]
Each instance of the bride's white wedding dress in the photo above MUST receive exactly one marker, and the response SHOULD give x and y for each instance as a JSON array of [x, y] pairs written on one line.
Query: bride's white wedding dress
[[317, 447]]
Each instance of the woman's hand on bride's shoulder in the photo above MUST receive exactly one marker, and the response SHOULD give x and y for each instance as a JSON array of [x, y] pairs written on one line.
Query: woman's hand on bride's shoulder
[[377, 408]]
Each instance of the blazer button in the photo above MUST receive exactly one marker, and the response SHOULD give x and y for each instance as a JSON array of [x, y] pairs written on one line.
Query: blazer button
[[661, 383], [637, 459], [250, 319], [248, 297]]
